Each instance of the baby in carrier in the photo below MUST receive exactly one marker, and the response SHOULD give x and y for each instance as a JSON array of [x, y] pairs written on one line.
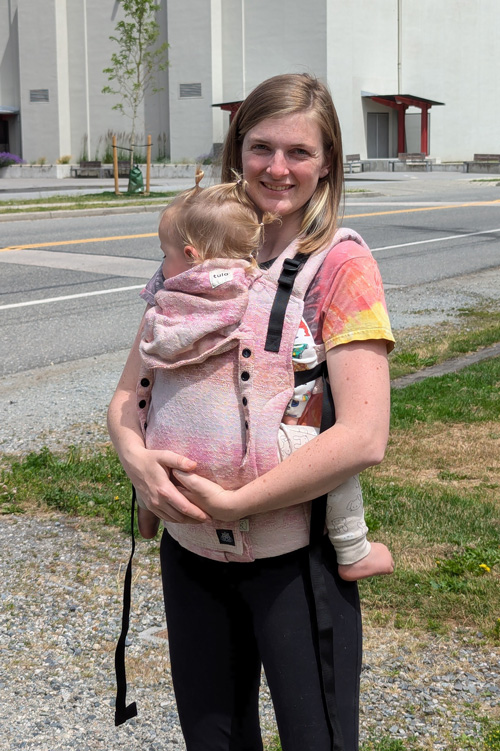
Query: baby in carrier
[[220, 223]]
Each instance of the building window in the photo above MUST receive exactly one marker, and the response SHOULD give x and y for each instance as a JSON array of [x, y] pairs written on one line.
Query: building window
[[189, 90], [39, 95]]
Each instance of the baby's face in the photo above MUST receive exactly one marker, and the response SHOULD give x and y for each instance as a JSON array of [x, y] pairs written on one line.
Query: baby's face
[[174, 258]]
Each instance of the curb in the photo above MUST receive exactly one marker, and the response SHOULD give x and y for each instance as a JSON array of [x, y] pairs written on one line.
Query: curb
[[450, 366], [65, 213]]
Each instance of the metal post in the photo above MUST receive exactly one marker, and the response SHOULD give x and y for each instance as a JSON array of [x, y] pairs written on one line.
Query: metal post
[[148, 166], [115, 166]]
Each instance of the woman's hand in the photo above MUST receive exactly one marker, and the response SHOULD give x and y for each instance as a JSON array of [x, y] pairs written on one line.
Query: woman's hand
[[149, 471], [217, 502]]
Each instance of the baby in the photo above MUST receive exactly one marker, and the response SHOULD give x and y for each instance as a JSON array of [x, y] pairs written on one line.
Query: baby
[[220, 223]]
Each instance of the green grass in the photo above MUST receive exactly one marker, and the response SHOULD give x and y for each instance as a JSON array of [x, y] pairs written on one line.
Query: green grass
[[445, 518], [469, 395], [62, 202], [428, 345], [446, 529], [74, 483]]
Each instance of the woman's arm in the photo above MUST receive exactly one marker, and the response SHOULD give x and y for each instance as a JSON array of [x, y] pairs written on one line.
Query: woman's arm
[[359, 378], [147, 469]]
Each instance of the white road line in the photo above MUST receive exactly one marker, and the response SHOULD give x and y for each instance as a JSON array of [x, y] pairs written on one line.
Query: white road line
[[70, 297], [437, 240], [140, 286]]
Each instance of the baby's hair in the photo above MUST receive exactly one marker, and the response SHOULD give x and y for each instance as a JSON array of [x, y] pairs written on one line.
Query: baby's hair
[[220, 221]]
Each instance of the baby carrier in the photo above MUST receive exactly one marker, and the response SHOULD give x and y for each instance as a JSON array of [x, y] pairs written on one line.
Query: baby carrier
[[258, 349]]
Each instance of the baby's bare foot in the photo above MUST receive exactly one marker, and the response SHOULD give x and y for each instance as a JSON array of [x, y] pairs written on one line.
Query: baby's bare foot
[[378, 562]]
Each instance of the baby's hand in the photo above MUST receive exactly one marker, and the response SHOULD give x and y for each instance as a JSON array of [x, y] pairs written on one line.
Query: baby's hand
[[212, 498]]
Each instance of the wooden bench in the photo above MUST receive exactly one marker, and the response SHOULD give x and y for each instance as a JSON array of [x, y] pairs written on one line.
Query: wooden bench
[[352, 160], [87, 169], [482, 159], [487, 158], [416, 158]]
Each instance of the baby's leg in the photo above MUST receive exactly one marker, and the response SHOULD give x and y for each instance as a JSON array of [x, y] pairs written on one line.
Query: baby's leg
[[357, 558], [347, 530], [147, 522]]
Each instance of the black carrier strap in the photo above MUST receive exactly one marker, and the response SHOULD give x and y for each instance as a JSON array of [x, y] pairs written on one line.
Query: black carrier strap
[[122, 712], [291, 268], [322, 614]]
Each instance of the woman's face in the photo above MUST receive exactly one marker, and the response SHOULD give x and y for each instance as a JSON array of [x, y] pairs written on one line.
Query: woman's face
[[283, 159]]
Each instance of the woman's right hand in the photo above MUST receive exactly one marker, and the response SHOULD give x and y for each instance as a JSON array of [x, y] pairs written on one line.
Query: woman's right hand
[[149, 471]]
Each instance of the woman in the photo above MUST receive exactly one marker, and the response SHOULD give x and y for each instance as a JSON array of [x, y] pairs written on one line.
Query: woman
[[226, 617]]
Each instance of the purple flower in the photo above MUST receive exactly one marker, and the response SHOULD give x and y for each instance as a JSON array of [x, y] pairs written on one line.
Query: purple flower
[[6, 159]]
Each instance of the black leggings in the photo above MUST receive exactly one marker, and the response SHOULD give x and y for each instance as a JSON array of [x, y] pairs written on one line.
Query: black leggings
[[224, 619]]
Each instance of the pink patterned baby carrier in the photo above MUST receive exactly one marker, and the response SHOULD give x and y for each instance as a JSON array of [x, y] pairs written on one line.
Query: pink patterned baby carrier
[[218, 352]]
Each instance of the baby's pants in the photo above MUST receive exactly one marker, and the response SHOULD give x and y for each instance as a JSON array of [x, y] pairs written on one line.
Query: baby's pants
[[225, 619], [344, 509]]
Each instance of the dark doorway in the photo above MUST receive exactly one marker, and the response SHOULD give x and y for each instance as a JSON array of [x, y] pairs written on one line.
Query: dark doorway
[[378, 135]]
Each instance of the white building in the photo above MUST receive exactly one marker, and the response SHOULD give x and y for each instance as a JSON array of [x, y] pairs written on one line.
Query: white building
[[379, 58]]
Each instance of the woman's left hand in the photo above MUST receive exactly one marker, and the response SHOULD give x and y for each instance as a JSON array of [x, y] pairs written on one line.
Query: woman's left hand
[[214, 500]]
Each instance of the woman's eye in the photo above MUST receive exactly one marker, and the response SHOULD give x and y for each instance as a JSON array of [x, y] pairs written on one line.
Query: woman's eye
[[301, 152], [260, 147]]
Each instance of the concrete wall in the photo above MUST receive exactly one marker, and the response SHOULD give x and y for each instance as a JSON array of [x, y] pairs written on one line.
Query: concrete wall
[[190, 56], [229, 46], [38, 57], [362, 57], [451, 54]]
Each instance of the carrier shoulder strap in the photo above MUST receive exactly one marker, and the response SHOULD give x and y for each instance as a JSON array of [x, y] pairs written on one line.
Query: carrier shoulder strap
[[322, 614], [289, 271]]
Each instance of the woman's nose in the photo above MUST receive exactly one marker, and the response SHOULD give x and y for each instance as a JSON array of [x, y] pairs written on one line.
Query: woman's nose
[[277, 166]]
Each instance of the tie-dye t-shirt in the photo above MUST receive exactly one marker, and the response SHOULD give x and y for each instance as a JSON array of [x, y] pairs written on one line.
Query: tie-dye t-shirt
[[345, 303]]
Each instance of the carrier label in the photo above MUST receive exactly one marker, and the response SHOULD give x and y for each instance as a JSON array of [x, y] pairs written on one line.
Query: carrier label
[[225, 536], [220, 276]]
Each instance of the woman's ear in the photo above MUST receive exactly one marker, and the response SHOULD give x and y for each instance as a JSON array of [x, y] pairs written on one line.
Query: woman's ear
[[191, 253], [327, 163]]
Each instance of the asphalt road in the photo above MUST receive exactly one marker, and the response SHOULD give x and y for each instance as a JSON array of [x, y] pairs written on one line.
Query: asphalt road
[[92, 268], [69, 286]]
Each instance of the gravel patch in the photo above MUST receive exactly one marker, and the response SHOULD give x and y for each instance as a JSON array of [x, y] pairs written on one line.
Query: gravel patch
[[60, 610]]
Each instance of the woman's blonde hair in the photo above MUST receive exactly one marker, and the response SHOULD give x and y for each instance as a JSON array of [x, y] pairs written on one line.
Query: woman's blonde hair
[[219, 221], [290, 94]]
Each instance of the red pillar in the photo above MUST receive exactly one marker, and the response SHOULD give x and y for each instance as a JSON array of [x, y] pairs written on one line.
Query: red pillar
[[424, 135], [401, 127]]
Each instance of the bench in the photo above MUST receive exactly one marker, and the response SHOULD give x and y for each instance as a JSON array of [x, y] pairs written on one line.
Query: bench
[[352, 160], [87, 169], [96, 169], [417, 159], [481, 160]]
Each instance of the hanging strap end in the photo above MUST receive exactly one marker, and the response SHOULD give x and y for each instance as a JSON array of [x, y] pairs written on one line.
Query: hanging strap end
[[125, 713]]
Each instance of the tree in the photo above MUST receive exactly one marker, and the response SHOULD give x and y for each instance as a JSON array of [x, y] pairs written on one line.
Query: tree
[[135, 67]]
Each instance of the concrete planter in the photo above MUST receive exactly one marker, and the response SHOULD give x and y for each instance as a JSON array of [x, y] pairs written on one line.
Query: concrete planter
[[34, 171], [61, 171]]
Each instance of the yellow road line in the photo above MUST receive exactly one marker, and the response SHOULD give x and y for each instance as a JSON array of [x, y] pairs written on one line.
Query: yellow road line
[[154, 234], [423, 208], [77, 242]]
